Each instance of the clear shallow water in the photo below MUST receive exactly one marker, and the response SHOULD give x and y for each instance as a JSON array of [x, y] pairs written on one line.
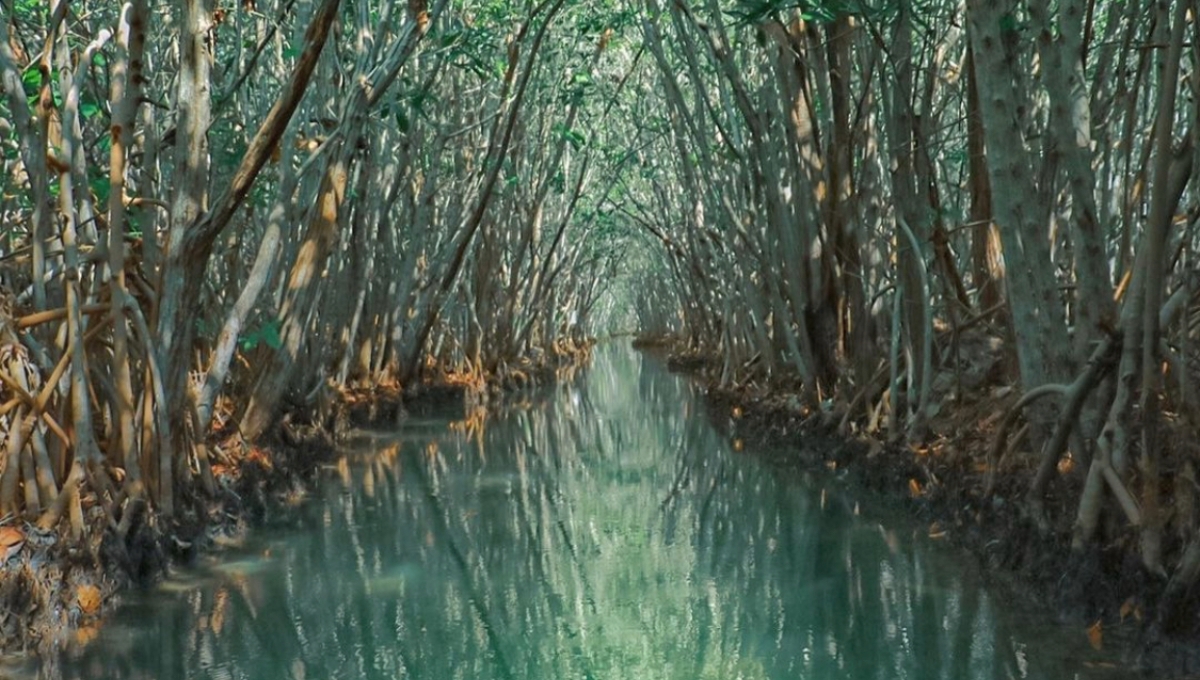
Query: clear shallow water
[[604, 532]]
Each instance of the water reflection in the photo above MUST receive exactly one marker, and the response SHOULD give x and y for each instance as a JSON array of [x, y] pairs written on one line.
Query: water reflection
[[603, 533]]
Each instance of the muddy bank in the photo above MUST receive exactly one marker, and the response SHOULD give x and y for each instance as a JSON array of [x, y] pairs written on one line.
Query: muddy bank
[[1104, 591], [456, 395], [55, 588]]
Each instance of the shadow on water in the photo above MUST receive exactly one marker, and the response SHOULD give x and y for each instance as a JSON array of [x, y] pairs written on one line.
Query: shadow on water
[[603, 532]]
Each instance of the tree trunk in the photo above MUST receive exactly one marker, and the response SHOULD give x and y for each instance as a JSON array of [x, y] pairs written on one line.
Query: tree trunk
[[1018, 203], [987, 269], [274, 376]]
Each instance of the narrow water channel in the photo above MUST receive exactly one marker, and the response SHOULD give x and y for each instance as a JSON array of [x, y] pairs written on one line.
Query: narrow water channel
[[603, 531]]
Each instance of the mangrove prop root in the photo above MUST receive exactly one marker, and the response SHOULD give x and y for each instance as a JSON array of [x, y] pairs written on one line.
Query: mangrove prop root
[[843, 425], [38, 318], [1099, 364], [1181, 583], [54, 513], [1100, 474], [1010, 419]]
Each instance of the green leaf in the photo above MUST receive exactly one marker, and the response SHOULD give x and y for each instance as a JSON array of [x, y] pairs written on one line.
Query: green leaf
[[267, 333], [271, 336], [32, 80], [28, 10], [1009, 23], [571, 136], [89, 109], [101, 187]]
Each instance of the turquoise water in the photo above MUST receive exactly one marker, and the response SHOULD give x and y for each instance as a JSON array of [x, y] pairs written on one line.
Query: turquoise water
[[601, 531]]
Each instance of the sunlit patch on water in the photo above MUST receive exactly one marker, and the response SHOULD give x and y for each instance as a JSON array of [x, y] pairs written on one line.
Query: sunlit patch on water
[[180, 584], [243, 567], [395, 580]]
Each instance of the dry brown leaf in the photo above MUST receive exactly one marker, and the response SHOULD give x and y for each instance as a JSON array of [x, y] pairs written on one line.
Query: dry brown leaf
[[1127, 608], [88, 598], [914, 488], [259, 456], [1065, 465], [1095, 635], [11, 541]]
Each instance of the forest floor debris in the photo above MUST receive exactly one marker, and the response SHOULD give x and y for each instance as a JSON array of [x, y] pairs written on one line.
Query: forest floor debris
[[454, 392], [55, 588]]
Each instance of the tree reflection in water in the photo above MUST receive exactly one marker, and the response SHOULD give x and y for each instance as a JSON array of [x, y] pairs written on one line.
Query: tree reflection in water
[[602, 531]]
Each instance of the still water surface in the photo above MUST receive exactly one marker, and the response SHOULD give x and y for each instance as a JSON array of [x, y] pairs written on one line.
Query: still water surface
[[602, 532]]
